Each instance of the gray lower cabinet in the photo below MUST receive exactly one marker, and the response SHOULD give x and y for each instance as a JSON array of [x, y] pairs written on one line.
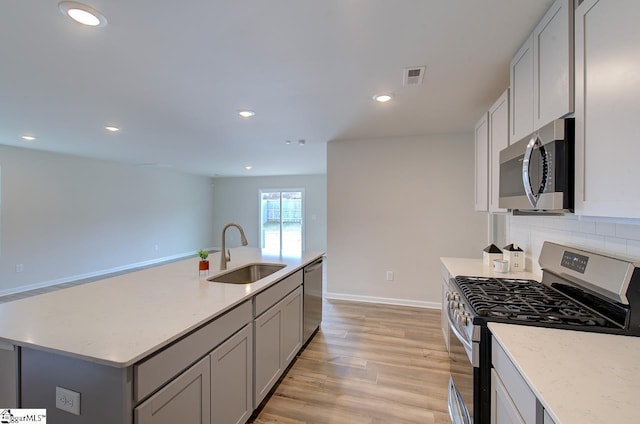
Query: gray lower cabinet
[[278, 337], [217, 389], [292, 325], [232, 379], [268, 352], [9, 360], [186, 400]]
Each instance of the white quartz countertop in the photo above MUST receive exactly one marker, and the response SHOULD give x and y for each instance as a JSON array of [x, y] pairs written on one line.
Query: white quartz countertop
[[118, 321], [476, 268], [579, 377]]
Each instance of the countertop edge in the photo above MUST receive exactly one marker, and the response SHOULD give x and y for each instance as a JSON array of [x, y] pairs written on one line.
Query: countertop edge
[[474, 267], [599, 385], [494, 327]]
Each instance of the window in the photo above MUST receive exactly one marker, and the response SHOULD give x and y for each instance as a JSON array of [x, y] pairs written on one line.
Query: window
[[281, 221]]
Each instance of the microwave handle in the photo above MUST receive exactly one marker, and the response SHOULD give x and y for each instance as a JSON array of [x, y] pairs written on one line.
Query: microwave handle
[[526, 181]]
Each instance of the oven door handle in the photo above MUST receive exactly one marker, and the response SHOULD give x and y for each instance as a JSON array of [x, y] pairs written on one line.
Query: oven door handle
[[467, 344], [457, 412]]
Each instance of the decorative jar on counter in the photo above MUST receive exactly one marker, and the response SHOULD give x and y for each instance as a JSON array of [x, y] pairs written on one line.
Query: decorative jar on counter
[[515, 256]]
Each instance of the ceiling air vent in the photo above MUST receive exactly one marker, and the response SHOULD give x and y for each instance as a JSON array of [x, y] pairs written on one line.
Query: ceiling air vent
[[413, 76]]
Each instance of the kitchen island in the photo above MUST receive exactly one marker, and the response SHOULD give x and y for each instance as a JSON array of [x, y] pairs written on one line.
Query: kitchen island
[[111, 329]]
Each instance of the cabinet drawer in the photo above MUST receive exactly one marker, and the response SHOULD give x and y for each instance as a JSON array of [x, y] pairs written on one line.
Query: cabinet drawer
[[514, 383], [160, 368], [273, 294], [186, 397]]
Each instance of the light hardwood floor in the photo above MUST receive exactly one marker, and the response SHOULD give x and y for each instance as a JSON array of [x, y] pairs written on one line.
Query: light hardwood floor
[[369, 364]]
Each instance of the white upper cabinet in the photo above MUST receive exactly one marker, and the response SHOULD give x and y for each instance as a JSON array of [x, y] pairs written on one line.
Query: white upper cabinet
[[521, 77], [541, 73], [491, 136], [607, 108], [498, 140], [553, 64], [482, 159]]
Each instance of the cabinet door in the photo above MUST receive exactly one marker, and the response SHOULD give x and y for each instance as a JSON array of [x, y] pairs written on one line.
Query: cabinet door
[[482, 158], [498, 140], [503, 410], [521, 101], [186, 400], [291, 325], [546, 418], [232, 379], [268, 352], [607, 108], [553, 64]]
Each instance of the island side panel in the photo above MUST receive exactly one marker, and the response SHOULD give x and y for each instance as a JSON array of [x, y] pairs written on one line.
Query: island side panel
[[8, 376], [105, 392]]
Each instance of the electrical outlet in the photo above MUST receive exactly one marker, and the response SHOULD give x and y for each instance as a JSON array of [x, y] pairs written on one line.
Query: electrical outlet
[[389, 275], [155, 247], [68, 400], [19, 267]]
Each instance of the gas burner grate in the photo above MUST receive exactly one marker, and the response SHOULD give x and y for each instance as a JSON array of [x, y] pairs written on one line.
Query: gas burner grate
[[524, 301]]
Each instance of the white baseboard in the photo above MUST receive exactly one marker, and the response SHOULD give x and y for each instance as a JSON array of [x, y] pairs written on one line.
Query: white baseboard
[[95, 274], [383, 300]]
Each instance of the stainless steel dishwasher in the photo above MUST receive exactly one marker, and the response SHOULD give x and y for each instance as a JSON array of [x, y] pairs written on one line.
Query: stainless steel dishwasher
[[312, 306]]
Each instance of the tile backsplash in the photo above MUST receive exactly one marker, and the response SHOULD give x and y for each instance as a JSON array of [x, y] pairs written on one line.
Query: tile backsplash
[[616, 237]]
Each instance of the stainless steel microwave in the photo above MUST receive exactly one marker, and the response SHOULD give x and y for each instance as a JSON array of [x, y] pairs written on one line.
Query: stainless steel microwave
[[537, 172]]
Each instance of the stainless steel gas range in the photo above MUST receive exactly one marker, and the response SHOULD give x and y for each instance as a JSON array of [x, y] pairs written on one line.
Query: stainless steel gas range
[[580, 290]]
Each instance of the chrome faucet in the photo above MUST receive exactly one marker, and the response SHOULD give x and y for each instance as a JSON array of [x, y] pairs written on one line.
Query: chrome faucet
[[225, 254]]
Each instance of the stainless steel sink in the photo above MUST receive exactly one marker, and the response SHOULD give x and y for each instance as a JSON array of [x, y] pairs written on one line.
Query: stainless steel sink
[[247, 274]]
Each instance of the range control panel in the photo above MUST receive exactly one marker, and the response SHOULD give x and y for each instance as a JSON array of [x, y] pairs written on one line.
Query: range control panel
[[574, 261]]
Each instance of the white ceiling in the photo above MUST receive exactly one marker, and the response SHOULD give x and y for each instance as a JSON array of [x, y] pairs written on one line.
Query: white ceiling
[[173, 75]]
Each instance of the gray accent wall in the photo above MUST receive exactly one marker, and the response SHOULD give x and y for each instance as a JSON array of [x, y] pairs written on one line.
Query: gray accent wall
[[64, 217], [399, 204], [237, 200]]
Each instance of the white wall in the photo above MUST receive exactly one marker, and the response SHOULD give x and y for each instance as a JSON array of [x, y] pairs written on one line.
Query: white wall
[[65, 217], [613, 236], [399, 205], [237, 200]]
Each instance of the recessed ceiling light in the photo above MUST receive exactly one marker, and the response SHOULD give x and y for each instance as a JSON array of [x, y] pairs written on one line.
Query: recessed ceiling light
[[82, 13], [246, 113], [301, 142], [382, 98], [248, 167], [287, 142], [28, 138], [112, 129]]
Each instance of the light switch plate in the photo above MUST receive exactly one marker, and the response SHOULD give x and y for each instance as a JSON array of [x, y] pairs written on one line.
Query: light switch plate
[[68, 400]]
